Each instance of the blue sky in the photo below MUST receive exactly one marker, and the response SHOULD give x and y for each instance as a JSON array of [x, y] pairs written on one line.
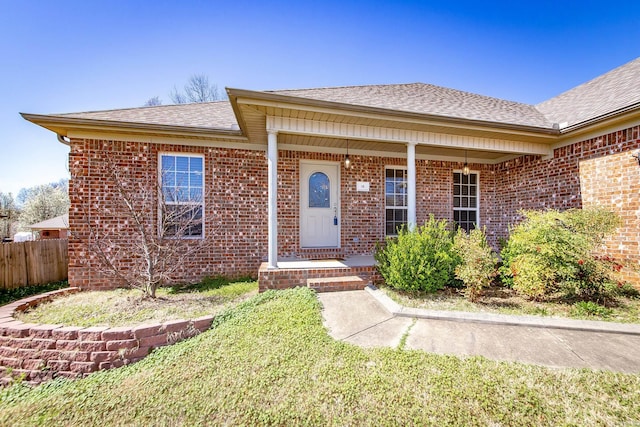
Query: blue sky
[[68, 56]]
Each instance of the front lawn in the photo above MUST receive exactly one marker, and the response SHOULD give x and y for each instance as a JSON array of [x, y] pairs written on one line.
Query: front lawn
[[126, 307], [507, 301], [269, 361]]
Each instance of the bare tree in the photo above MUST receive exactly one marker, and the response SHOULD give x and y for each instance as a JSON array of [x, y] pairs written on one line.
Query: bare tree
[[197, 89], [145, 250], [8, 215], [152, 102]]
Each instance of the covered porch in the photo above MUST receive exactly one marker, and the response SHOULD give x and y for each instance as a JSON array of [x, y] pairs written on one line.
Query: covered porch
[[321, 207]]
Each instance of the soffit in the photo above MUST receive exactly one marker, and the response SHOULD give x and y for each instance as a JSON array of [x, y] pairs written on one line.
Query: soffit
[[253, 125], [364, 147]]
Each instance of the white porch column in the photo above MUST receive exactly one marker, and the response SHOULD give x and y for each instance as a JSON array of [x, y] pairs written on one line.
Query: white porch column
[[272, 161], [411, 185]]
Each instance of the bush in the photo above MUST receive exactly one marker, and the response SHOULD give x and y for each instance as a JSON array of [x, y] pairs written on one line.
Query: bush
[[590, 308], [419, 260], [555, 251], [478, 262]]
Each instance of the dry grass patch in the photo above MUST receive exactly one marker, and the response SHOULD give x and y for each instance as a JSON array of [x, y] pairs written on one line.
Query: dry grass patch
[[507, 301], [126, 307]]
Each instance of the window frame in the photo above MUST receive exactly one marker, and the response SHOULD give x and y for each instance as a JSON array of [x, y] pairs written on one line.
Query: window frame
[[200, 203], [405, 208], [477, 196]]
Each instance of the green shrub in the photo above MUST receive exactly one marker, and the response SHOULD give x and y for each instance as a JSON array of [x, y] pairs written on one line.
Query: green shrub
[[478, 262], [419, 260], [590, 308], [555, 251]]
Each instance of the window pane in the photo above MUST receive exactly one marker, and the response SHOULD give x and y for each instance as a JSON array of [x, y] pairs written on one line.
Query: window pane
[[195, 179], [399, 201], [456, 178], [472, 190], [472, 216], [390, 173], [472, 202], [465, 202], [456, 216], [196, 164], [182, 163], [456, 190], [465, 190], [182, 179], [388, 188], [456, 202], [168, 163], [319, 191], [473, 178], [390, 228], [465, 179]]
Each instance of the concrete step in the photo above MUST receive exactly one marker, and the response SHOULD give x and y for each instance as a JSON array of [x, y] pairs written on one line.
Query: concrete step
[[334, 284]]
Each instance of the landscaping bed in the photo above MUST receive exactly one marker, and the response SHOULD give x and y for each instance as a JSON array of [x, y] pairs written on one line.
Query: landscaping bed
[[505, 300], [123, 307], [67, 333], [269, 361]]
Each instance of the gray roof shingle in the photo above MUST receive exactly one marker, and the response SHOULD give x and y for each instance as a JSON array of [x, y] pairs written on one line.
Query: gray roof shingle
[[610, 92], [429, 99], [217, 115], [607, 93]]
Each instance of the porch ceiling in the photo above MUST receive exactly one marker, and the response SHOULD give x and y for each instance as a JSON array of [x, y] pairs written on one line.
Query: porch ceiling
[[364, 147], [300, 129]]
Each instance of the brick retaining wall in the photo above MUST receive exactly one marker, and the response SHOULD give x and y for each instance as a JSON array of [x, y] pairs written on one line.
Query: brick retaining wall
[[43, 352]]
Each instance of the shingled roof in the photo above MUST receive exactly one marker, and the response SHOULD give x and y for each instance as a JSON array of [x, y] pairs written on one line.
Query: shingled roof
[[215, 115], [429, 99], [610, 92]]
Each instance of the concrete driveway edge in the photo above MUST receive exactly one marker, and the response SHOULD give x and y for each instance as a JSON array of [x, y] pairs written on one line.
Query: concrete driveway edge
[[502, 319]]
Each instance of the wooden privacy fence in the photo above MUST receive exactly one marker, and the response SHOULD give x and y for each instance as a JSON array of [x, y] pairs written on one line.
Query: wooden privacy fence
[[33, 263]]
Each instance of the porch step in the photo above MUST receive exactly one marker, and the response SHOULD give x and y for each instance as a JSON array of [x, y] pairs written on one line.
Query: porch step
[[333, 284]]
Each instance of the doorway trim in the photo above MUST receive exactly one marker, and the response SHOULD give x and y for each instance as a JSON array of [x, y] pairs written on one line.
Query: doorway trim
[[302, 181]]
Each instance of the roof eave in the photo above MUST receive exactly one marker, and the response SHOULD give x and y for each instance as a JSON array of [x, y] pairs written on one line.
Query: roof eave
[[612, 116], [62, 124], [235, 94]]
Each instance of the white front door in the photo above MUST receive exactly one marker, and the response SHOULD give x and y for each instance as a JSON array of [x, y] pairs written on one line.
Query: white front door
[[319, 205]]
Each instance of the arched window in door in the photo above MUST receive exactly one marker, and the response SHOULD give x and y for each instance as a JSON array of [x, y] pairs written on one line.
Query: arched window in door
[[319, 190]]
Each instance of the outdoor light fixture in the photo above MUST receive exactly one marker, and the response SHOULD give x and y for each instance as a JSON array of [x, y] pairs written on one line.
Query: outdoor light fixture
[[465, 168], [347, 161], [635, 156]]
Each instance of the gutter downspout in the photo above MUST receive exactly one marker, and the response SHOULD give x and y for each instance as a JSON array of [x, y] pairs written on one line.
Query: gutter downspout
[[63, 140]]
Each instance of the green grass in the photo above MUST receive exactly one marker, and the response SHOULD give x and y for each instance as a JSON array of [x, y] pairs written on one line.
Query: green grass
[[124, 307], [269, 361], [623, 309], [9, 295]]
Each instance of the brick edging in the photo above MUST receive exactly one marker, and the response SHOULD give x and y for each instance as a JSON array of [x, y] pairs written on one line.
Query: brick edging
[[43, 352]]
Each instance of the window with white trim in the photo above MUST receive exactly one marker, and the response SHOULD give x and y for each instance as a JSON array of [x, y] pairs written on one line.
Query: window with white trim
[[465, 200], [182, 183], [395, 192]]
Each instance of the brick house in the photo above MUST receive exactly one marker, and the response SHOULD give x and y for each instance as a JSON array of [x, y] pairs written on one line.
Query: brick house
[[272, 164]]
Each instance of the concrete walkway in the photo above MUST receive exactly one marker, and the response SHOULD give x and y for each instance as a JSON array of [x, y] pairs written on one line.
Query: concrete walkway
[[369, 318]]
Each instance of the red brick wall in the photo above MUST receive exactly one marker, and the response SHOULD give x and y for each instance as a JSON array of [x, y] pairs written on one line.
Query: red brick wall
[[236, 207]]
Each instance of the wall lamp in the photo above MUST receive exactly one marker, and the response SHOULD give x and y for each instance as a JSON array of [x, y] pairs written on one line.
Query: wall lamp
[[637, 157], [347, 160], [465, 169]]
